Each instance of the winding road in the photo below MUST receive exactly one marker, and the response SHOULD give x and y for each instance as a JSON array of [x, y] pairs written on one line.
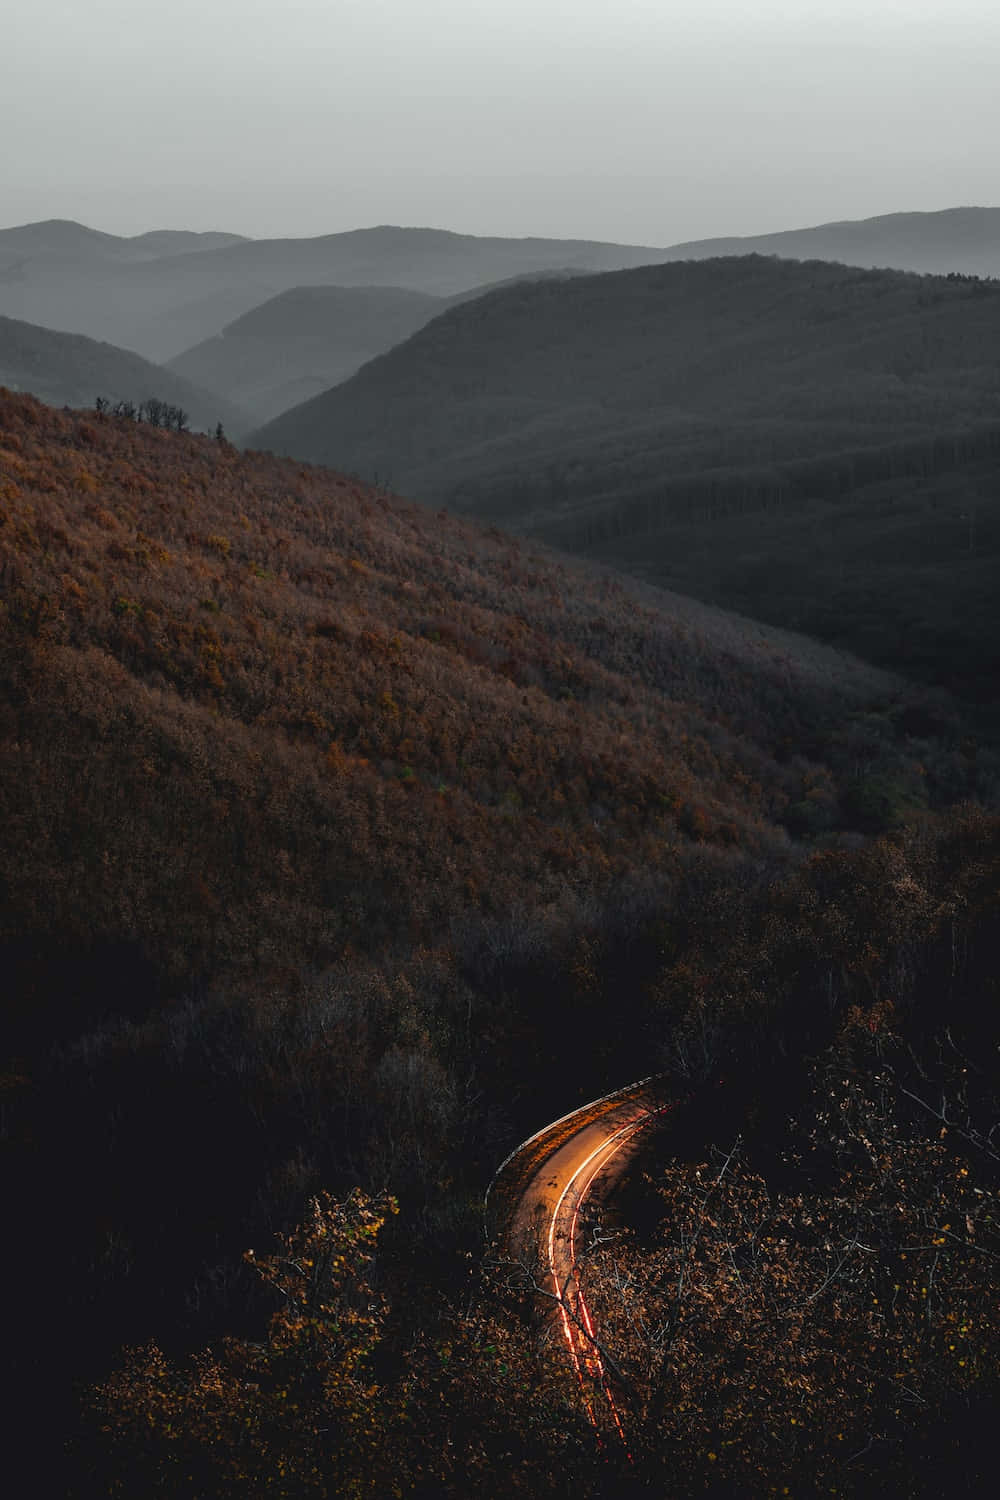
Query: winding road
[[554, 1171]]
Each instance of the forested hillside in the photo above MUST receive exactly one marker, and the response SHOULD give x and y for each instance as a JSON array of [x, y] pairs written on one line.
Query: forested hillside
[[345, 843], [808, 443]]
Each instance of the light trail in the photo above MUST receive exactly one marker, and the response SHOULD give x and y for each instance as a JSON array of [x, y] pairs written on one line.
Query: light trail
[[585, 1334], [547, 1180]]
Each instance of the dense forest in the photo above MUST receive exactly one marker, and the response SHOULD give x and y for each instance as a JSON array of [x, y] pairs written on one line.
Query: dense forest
[[346, 843], [814, 445]]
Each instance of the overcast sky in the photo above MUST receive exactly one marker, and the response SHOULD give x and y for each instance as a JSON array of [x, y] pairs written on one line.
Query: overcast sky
[[648, 121]]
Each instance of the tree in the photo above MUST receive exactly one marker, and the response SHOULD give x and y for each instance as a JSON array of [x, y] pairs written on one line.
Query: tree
[[301, 1412]]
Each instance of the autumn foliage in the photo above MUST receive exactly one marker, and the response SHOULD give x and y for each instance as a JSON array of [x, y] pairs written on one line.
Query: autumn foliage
[[345, 843]]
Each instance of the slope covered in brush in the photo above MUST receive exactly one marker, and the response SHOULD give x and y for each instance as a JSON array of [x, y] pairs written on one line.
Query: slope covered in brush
[[669, 418], [305, 716]]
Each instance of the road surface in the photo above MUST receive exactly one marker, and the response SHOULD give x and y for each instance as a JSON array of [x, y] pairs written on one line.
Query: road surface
[[545, 1232]]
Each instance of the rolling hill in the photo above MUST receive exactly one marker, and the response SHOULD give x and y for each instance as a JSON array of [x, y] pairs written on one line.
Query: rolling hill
[[302, 342], [292, 613], [298, 344], [65, 240], [696, 421], [66, 369], [161, 304], [162, 292]]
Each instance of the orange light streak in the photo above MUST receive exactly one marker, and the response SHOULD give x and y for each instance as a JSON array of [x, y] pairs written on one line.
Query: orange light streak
[[591, 1353]]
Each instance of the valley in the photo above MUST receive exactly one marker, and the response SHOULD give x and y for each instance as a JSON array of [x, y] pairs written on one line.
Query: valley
[[594, 678]]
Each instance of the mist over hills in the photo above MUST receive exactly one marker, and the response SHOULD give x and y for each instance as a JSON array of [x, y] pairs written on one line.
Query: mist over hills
[[164, 291], [303, 341], [620, 414], [68, 277], [67, 369]]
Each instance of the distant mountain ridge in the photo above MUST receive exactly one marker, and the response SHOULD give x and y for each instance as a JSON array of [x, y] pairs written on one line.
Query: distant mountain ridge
[[66, 236], [952, 239], [162, 292]]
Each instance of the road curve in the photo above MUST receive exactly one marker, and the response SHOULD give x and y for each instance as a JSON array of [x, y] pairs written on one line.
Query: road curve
[[559, 1167]]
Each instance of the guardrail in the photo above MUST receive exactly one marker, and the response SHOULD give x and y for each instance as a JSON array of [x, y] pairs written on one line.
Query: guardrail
[[511, 1177]]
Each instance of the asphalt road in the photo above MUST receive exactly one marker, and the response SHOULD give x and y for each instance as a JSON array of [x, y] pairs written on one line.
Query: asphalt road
[[546, 1229]]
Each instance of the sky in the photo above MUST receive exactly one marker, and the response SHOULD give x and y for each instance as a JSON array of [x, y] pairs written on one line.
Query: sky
[[646, 121]]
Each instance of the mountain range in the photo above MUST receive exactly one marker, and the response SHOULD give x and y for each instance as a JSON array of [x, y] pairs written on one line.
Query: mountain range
[[162, 292]]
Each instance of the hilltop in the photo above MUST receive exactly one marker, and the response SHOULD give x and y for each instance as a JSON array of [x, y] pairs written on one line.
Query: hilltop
[[67, 369], [696, 421], [49, 237], [962, 240]]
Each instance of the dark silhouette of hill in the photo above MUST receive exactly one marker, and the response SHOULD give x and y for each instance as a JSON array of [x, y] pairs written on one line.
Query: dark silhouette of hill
[[66, 369], [701, 421], [162, 304], [65, 238], [964, 240], [298, 344]]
